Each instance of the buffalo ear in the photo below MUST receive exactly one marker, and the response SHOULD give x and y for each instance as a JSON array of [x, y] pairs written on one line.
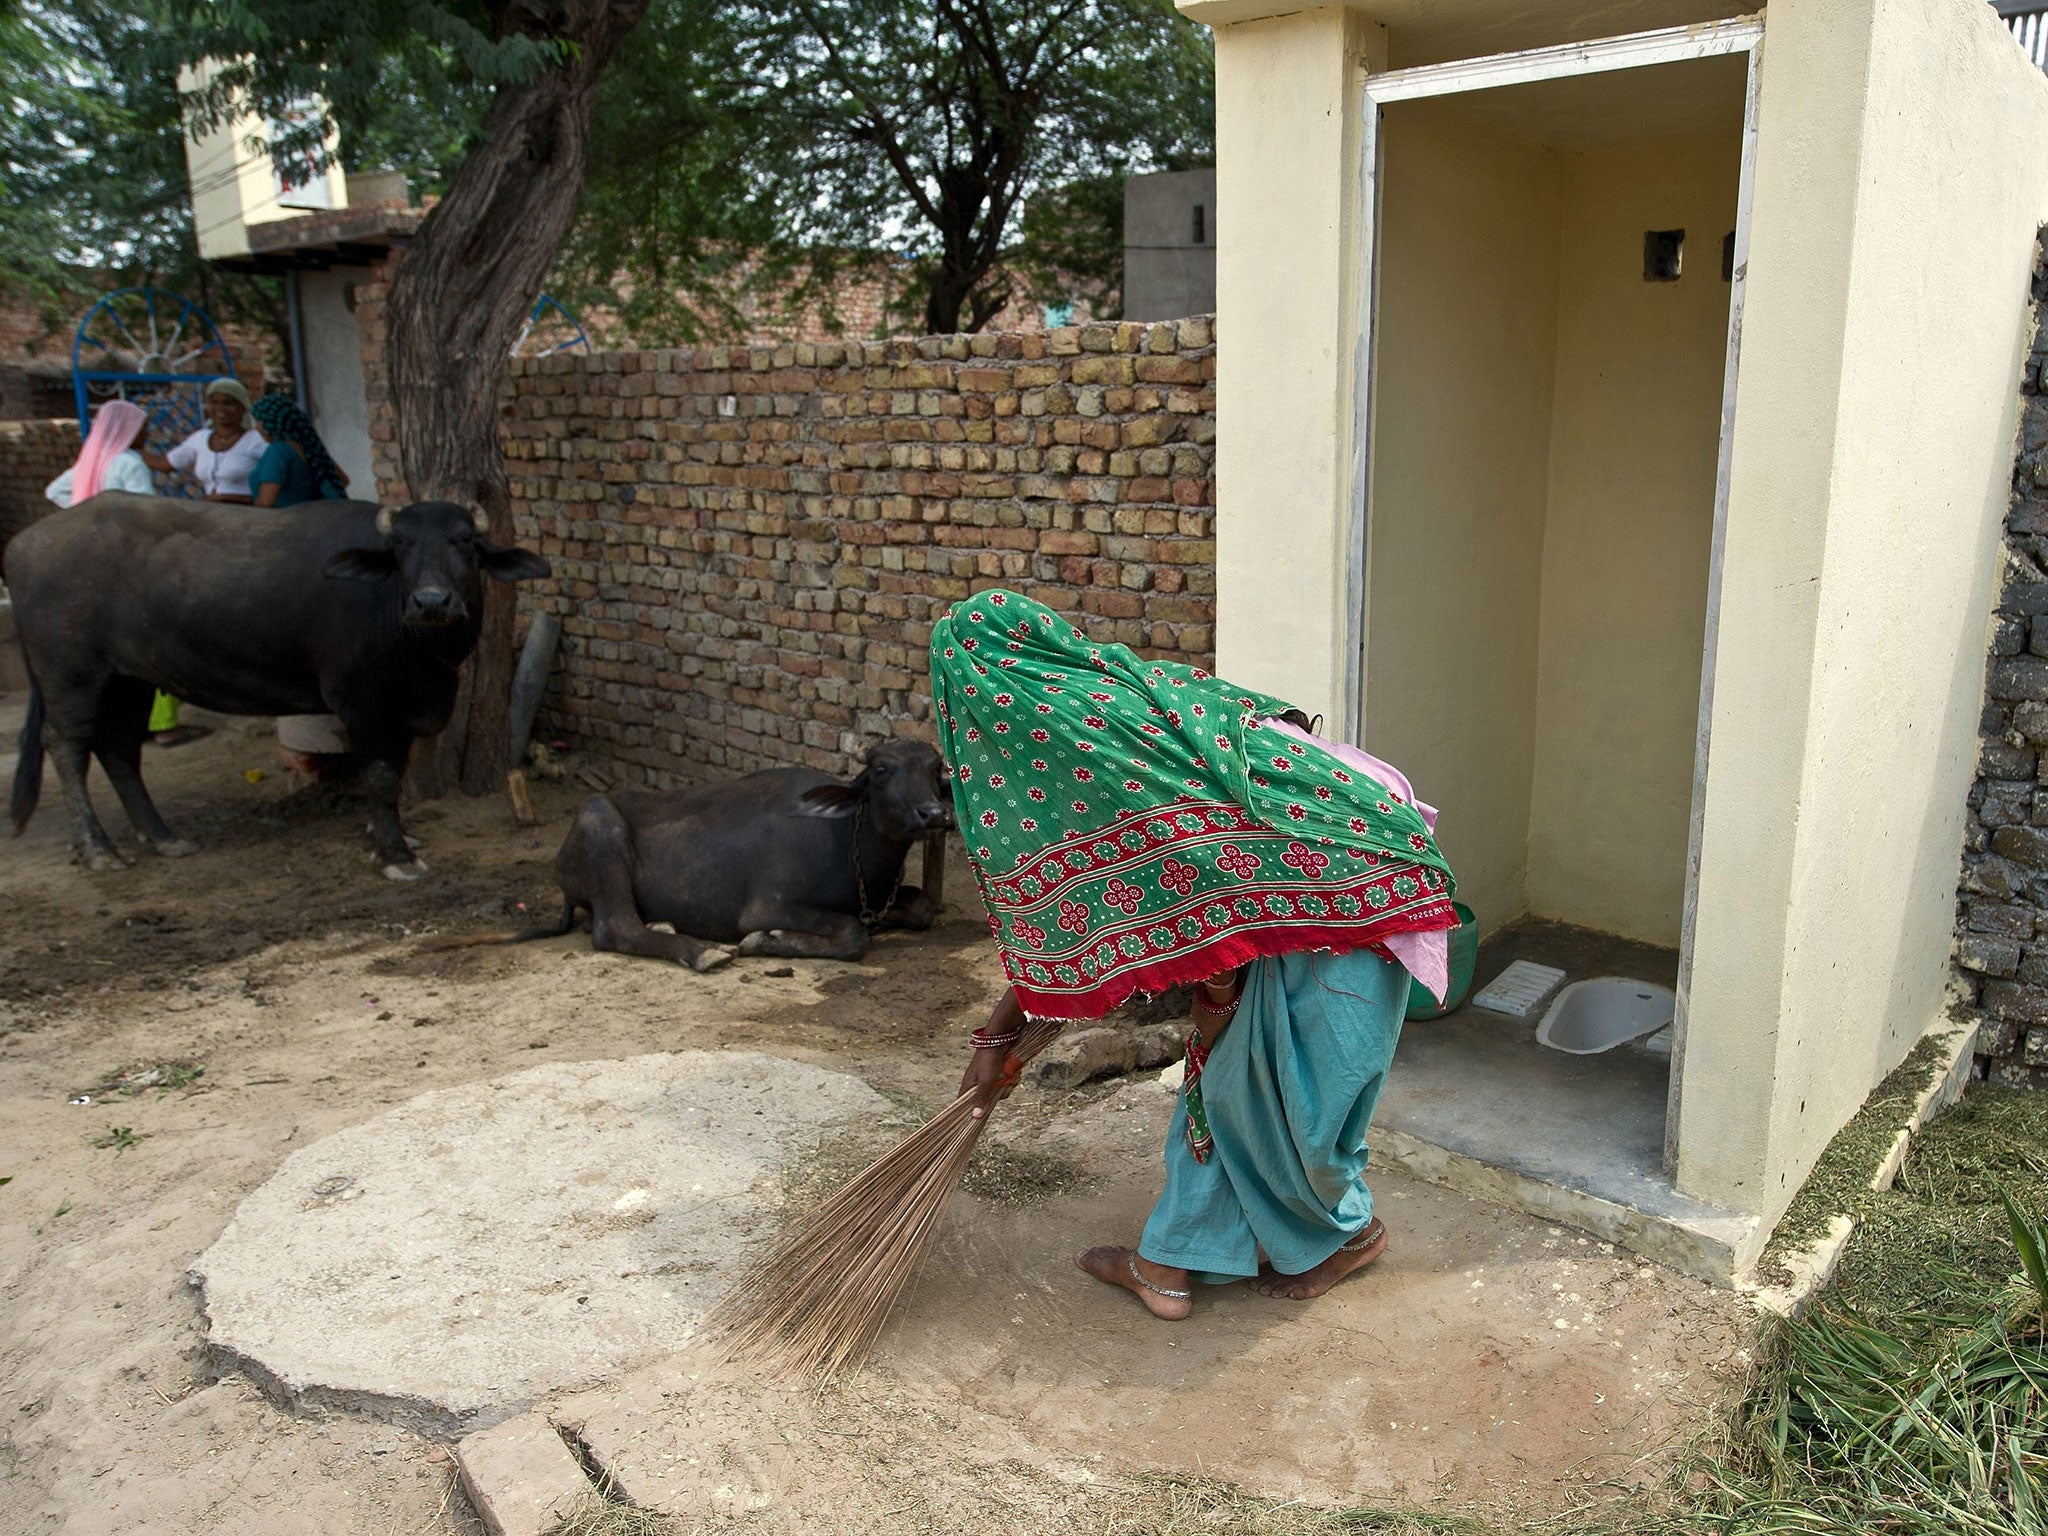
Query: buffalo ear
[[363, 564], [834, 799], [511, 564]]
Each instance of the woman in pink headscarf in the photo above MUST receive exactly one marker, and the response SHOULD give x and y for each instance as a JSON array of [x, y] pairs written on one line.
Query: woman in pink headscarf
[[112, 461], [109, 461]]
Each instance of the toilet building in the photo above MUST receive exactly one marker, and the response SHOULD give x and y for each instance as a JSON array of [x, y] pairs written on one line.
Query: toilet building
[[1617, 413]]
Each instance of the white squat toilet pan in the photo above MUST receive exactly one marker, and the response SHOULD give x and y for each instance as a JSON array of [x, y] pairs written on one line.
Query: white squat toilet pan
[[1597, 1015]]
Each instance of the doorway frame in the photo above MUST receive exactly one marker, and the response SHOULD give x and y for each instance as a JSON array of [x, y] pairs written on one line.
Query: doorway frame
[[1636, 50]]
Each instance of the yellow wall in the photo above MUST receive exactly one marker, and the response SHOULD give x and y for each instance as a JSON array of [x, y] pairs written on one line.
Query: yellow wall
[[1287, 124], [1461, 437], [232, 184], [1899, 187], [1897, 195], [1633, 445]]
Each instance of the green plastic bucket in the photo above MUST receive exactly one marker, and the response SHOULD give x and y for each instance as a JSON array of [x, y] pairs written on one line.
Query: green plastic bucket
[[1464, 960]]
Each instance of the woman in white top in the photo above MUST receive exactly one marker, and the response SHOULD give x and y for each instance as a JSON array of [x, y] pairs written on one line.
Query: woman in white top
[[109, 460], [220, 455]]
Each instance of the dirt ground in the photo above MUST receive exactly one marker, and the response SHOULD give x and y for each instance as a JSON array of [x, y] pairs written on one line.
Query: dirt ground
[[1489, 1362]]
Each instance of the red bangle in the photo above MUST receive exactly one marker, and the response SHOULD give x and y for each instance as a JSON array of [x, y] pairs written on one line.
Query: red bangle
[[990, 1042]]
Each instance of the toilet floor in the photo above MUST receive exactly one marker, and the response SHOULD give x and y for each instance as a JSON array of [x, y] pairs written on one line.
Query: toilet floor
[[1477, 1083]]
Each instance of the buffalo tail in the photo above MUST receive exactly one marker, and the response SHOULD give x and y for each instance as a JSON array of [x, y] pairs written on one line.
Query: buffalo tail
[[524, 936], [28, 763]]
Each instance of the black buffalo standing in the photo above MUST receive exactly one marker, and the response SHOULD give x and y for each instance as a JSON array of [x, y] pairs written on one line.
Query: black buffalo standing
[[785, 862], [331, 607]]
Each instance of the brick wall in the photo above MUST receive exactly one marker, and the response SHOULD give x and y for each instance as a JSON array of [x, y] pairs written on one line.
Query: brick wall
[[32, 454], [751, 545], [2002, 941]]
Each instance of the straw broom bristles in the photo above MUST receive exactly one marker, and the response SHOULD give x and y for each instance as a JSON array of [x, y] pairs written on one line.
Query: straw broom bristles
[[815, 1304]]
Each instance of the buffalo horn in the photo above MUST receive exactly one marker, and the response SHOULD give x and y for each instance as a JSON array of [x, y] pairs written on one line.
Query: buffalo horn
[[481, 518], [384, 521]]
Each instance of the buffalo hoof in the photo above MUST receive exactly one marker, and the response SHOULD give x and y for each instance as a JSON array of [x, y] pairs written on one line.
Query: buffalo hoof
[[410, 871], [759, 940], [712, 956], [176, 848], [100, 861]]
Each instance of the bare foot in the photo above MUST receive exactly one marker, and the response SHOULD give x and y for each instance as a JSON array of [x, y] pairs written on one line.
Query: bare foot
[[1120, 1266], [1309, 1284]]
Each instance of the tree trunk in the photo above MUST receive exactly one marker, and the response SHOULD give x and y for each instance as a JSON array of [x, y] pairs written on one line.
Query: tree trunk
[[457, 302]]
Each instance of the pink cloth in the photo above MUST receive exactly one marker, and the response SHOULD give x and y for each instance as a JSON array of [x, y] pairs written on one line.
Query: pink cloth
[[113, 432], [1427, 956]]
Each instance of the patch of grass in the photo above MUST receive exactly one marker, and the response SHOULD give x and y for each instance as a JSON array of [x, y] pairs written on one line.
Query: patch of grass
[[1840, 1182], [1914, 1402], [1160, 1505], [1941, 1231], [161, 1077], [120, 1138], [600, 1516]]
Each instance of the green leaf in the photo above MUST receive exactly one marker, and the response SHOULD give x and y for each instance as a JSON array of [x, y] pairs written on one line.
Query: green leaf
[[2032, 1243]]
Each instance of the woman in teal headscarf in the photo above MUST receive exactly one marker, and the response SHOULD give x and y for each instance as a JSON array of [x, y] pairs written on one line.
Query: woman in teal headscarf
[[1137, 825], [296, 466]]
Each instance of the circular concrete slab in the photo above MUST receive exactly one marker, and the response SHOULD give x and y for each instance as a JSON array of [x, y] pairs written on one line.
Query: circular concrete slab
[[479, 1247]]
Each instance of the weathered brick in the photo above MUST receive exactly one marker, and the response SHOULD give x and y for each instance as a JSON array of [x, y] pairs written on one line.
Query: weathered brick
[[1997, 760], [1988, 955], [2013, 1003], [2019, 678], [2022, 845], [1993, 877]]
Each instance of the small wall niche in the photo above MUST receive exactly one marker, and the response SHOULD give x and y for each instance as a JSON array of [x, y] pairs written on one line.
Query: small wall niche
[[1663, 255]]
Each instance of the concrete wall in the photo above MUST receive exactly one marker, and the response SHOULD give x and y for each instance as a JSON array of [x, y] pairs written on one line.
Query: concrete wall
[[1168, 272], [1287, 271], [1894, 217], [1461, 442], [1628, 534], [1894, 224], [234, 185], [334, 370], [1544, 440]]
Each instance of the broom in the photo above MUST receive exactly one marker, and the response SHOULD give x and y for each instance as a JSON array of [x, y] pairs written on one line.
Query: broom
[[814, 1305]]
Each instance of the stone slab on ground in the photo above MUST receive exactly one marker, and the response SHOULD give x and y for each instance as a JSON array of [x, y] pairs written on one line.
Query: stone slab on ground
[[520, 1477], [451, 1261], [1488, 1355]]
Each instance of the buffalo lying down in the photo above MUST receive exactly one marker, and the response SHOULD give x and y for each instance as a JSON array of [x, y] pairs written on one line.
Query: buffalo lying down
[[331, 607], [786, 862]]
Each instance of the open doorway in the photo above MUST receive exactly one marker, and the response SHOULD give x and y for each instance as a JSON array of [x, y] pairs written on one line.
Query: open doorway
[[1557, 244]]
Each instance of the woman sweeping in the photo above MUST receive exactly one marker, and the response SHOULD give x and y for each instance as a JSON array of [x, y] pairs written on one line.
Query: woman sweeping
[[1137, 825]]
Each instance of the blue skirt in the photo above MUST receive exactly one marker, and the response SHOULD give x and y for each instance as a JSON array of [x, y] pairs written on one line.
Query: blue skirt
[[1289, 1091]]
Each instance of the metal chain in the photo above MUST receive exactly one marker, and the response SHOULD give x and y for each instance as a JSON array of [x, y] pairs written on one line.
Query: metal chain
[[870, 918]]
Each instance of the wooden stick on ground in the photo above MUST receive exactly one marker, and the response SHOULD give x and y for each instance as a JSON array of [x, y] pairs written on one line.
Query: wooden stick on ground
[[521, 797]]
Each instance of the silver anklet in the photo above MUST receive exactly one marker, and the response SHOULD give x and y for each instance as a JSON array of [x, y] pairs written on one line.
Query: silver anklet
[[1156, 1290], [1361, 1242]]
